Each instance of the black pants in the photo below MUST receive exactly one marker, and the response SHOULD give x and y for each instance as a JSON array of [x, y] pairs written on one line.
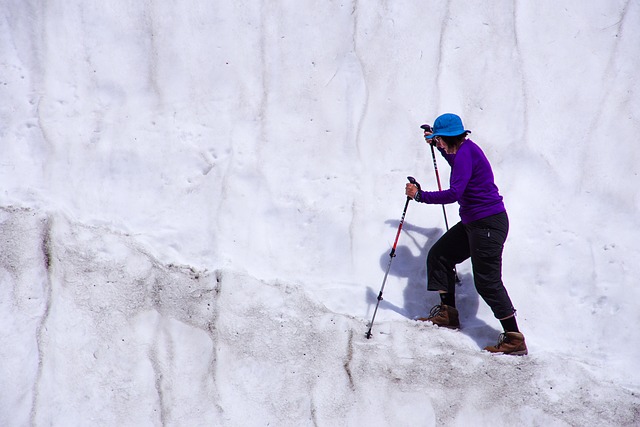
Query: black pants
[[483, 241]]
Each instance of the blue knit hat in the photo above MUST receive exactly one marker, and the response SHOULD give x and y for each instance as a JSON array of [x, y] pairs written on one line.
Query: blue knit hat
[[448, 125]]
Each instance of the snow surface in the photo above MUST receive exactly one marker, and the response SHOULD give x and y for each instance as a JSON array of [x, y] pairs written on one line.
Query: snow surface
[[199, 199]]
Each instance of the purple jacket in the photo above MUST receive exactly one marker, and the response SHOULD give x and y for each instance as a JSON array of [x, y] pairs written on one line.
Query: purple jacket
[[471, 185]]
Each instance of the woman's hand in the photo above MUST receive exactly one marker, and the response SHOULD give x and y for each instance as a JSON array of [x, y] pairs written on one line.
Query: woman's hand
[[427, 133], [410, 190]]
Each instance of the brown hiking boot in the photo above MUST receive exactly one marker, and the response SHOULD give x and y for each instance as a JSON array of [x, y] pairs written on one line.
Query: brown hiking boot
[[444, 316], [509, 343]]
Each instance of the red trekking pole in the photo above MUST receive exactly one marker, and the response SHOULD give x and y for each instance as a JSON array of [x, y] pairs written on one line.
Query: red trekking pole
[[392, 254]]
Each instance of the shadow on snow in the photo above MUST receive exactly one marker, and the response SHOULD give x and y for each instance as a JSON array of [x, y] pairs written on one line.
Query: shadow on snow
[[417, 299]]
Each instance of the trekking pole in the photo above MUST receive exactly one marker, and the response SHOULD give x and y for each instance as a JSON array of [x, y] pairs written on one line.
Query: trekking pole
[[392, 254], [435, 167]]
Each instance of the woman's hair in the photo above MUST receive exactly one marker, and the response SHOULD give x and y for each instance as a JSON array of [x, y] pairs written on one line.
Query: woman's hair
[[455, 141]]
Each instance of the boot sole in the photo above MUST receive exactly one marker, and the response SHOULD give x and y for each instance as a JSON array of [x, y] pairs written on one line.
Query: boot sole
[[423, 319], [513, 353]]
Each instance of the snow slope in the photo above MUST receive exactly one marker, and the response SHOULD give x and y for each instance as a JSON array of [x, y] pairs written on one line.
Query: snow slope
[[199, 200]]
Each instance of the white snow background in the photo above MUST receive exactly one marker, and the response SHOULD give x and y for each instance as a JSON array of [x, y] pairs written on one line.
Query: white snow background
[[198, 200]]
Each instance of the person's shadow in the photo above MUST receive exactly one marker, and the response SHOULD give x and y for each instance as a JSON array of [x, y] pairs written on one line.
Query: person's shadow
[[417, 299]]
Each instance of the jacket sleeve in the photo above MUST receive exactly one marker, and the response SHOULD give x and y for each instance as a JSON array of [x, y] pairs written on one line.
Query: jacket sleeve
[[460, 176]]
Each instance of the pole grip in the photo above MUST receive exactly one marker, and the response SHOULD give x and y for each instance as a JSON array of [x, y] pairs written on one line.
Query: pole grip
[[413, 181]]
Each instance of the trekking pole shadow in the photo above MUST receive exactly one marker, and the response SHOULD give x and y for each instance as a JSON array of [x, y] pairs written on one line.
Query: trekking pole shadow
[[411, 267], [416, 295], [372, 298]]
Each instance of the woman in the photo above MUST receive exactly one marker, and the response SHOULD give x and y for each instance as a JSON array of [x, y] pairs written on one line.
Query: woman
[[480, 235]]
